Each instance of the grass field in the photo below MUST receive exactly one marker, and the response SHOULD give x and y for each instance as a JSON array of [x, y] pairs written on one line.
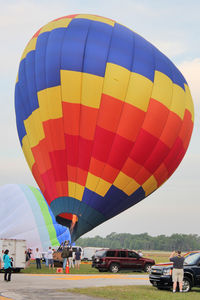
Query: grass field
[[135, 292], [87, 269], [84, 269]]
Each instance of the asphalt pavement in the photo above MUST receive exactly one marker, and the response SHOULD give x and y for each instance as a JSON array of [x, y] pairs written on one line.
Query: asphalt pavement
[[51, 286]]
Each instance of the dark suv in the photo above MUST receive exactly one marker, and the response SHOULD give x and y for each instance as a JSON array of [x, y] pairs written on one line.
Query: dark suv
[[115, 260], [161, 274]]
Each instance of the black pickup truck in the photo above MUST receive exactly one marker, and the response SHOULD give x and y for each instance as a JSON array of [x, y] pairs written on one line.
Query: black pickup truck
[[161, 274]]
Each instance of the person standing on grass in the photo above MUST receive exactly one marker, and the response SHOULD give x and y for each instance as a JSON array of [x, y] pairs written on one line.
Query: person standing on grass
[[50, 258], [65, 255], [38, 257], [71, 263], [28, 257], [178, 273], [7, 265], [77, 258], [140, 253]]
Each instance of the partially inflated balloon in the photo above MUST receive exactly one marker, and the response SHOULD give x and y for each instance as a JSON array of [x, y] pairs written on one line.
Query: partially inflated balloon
[[24, 214], [104, 118]]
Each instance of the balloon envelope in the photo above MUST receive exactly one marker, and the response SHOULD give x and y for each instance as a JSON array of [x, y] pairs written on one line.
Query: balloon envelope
[[24, 214], [103, 117]]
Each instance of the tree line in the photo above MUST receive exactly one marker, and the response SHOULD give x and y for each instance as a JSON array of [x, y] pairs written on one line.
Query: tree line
[[184, 242]]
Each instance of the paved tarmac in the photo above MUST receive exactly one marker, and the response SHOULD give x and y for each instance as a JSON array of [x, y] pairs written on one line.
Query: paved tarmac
[[50, 287]]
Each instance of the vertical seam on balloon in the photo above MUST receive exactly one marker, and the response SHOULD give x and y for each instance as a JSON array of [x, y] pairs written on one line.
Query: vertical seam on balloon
[[123, 103], [62, 111], [168, 116], [138, 131], [165, 123], [46, 190], [22, 103], [168, 111], [50, 124], [162, 131], [76, 183], [28, 102], [91, 196], [172, 86], [177, 136], [182, 120]]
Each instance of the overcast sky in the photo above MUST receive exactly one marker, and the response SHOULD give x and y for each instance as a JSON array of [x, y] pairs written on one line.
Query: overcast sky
[[173, 26]]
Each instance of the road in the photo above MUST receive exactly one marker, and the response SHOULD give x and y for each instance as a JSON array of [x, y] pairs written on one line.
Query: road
[[47, 286]]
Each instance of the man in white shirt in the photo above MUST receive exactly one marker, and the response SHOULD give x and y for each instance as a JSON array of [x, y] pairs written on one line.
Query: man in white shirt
[[38, 257], [50, 258]]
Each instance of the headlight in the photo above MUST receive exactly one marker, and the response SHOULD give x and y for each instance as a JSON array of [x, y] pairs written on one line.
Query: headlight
[[97, 260], [167, 271]]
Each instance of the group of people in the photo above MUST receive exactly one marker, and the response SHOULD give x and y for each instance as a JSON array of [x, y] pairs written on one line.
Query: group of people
[[49, 258], [71, 257]]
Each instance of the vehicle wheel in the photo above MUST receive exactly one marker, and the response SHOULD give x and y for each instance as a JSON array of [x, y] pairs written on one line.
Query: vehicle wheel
[[114, 268], [186, 285], [100, 270], [147, 268]]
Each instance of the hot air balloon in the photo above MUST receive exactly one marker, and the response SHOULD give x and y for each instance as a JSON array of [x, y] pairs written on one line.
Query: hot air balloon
[[24, 214], [103, 117]]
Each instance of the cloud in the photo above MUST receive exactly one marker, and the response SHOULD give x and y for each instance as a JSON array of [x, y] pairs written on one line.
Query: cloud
[[171, 48], [191, 71]]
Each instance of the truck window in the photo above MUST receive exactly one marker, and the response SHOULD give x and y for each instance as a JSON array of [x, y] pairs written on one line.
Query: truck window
[[132, 254], [110, 254], [121, 254]]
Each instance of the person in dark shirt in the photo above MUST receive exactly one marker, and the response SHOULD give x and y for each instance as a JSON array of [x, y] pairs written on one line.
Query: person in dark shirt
[[177, 274], [65, 255], [77, 258]]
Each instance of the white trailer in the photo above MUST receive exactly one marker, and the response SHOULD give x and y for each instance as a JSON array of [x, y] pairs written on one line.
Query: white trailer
[[17, 250], [88, 252]]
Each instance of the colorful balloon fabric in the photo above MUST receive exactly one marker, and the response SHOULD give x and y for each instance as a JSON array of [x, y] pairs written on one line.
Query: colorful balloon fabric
[[103, 117], [24, 214]]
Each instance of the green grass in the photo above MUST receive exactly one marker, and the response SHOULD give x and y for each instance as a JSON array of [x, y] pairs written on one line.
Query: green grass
[[135, 292], [84, 269], [159, 256]]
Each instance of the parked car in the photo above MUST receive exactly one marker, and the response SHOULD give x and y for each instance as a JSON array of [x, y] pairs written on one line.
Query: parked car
[[114, 260], [161, 274]]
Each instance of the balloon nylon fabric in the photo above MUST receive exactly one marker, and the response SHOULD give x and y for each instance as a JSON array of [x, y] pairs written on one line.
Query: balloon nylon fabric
[[103, 117], [25, 215]]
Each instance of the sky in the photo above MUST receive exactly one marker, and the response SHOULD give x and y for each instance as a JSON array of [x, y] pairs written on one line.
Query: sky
[[171, 26]]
